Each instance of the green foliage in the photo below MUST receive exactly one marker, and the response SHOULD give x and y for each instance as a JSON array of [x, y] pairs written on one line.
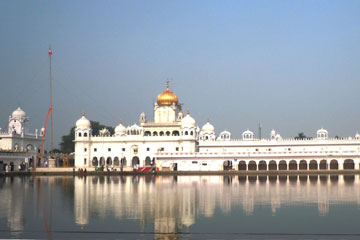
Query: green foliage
[[67, 145], [302, 136]]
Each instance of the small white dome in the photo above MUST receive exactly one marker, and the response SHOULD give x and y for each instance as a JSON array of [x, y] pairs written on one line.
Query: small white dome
[[134, 126], [18, 114], [208, 128], [322, 131], [273, 132], [357, 136], [188, 121], [120, 129], [248, 132], [83, 122]]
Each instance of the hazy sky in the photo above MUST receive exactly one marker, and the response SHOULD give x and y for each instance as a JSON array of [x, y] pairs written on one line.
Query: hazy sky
[[289, 65]]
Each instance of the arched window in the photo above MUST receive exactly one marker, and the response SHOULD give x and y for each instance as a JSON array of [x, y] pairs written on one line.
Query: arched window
[[85, 134], [167, 133], [161, 133], [116, 161], [108, 161], [147, 133], [79, 134], [186, 132], [155, 133], [191, 133]]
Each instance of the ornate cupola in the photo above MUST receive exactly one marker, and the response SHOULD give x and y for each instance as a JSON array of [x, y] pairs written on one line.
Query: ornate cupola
[[167, 97], [167, 107]]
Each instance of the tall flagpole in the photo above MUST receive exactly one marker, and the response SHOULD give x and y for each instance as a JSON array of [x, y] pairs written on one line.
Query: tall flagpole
[[51, 106]]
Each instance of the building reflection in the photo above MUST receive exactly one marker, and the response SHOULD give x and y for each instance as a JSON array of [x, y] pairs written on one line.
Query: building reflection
[[172, 204]]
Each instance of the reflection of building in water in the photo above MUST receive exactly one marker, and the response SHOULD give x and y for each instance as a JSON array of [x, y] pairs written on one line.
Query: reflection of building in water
[[172, 204], [12, 202]]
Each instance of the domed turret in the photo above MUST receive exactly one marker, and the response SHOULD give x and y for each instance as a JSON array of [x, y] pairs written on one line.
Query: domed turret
[[120, 129], [208, 128], [322, 134], [83, 122], [248, 135], [18, 114], [188, 121], [167, 97]]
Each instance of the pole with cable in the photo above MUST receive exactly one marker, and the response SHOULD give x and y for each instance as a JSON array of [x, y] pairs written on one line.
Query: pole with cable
[[51, 105]]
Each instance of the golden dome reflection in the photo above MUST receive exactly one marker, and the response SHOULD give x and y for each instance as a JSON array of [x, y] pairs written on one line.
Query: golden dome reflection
[[167, 97]]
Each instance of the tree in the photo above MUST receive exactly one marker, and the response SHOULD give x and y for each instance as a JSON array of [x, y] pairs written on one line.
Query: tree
[[67, 145], [300, 136]]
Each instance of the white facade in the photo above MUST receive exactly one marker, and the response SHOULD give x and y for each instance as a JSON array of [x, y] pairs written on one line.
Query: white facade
[[137, 145], [175, 142], [17, 144]]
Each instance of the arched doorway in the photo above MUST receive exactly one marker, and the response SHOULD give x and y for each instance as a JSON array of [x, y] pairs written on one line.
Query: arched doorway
[[95, 162], [334, 164], [262, 165], [116, 161], [252, 166], [349, 164], [147, 161], [102, 161], [12, 166], [293, 165], [108, 161], [272, 165], [135, 161], [123, 161], [227, 165], [175, 133], [242, 165], [323, 165], [282, 165], [313, 165], [303, 165]]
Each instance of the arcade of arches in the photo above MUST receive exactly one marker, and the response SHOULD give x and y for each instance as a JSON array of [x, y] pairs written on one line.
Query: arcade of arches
[[116, 161], [295, 165]]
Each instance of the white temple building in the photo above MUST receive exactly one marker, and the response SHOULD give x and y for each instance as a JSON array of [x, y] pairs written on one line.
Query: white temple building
[[173, 141], [17, 145]]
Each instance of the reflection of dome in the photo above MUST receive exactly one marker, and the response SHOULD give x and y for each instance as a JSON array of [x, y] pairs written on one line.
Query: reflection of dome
[[208, 128], [18, 114], [120, 129], [167, 97], [188, 121], [83, 122]]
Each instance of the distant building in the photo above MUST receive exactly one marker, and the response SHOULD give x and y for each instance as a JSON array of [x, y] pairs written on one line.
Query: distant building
[[18, 147], [173, 141]]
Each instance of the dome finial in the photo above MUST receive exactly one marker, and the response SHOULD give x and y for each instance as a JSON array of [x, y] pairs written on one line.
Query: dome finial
[[167, 83], [187, 111], [167, 97], [83, 113]]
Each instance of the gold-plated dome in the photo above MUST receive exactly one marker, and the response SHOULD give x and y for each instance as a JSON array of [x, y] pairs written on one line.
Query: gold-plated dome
[[167, 97]]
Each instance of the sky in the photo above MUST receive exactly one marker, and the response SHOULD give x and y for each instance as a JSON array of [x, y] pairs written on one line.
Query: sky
[[292, 66]]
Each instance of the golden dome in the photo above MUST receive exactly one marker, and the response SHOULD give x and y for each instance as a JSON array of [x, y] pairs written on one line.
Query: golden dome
[[167, 97]]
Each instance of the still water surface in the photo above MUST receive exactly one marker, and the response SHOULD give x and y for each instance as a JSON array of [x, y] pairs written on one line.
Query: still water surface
[[181, 207]]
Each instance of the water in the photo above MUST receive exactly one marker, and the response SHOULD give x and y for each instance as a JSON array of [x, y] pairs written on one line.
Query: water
[[181, 207]]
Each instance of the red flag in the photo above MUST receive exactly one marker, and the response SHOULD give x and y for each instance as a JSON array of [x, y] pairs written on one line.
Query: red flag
[[50, 52]]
